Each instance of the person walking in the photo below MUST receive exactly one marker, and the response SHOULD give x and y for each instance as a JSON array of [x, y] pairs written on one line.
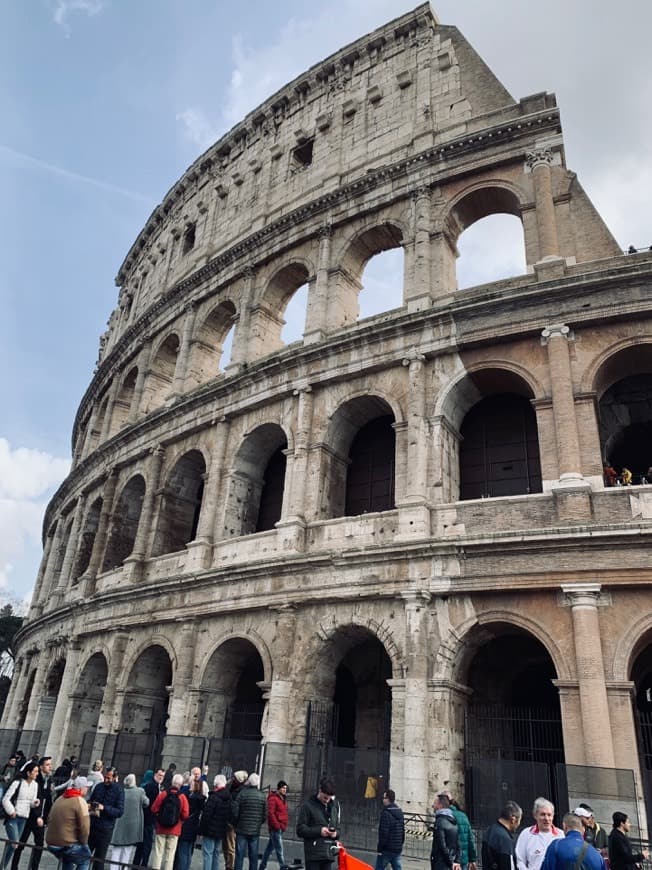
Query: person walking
[[18, 801], [444, 854], [249, 811], [213, 823], [38, 817], [391, 833], [128, 829], [498, 841], [277, 823], [468, 854], [621, 856], [318, 827]]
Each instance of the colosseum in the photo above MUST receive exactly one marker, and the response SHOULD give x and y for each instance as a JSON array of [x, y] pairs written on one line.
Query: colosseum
[[405, 549]]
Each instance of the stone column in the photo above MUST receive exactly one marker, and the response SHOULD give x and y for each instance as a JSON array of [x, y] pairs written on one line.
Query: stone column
[[317, 314], [183, 356], [178, 705], [63, 709], [42, 667], [16, 692], [571, 720], [101, 535], [40, 586], [145, 532], [206, 527], [108, 713], [65, 575], [414, 515], [539, 161], [415, 737], [240, 347], [417, 296], [108, 416], [557, 337], [621, 698], [136, 399], [280, 704], [596, 727], [302, 442]]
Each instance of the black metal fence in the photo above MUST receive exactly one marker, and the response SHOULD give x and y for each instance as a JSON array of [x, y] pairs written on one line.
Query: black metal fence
[[12, 739]]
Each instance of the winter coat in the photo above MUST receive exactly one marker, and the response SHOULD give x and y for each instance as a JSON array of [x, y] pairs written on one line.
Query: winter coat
[[249, 811], [465, 839], [112, 797], [24, 794], [277, 812], [190, 828], [391, 830], [621, 856], [215, 815], [152, 790], [184, 812], [128, 828], [313, 816], [444, 841]]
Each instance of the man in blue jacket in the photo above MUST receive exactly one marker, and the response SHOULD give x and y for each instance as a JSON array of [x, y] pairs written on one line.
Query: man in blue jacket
[[391, 833], [572, 850], [107, 803]]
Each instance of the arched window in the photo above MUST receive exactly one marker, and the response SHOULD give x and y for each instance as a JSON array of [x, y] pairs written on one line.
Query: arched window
[[161, 374], [382, 283], [87, 539], [491, 249], [125, 521], [211, 349], [180, 504], [280, 315], [370, 277], [370, 477], [122, 405]]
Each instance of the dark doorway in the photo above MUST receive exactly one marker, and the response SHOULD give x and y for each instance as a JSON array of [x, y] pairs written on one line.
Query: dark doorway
[[370, 477], [271, 496], [499, 454]]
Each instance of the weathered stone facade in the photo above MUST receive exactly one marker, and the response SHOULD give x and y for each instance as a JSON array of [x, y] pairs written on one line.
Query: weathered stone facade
[[203, 548]]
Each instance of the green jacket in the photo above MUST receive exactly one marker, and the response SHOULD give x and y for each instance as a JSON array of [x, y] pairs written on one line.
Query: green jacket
[[249, 811], [465, 838]]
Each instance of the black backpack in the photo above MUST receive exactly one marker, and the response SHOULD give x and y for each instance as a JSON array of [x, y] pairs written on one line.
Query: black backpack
[[169, 812]]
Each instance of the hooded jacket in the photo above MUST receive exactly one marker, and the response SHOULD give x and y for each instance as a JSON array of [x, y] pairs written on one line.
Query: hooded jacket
[[313, 816], [445, 850], [391, 830], [215, 815], [277, 812]]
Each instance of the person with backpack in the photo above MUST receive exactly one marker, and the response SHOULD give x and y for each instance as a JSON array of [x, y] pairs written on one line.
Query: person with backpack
[[18, 801], [170, 811]]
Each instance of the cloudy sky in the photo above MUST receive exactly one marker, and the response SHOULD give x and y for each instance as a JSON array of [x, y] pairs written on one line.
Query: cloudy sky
[[105, 103]]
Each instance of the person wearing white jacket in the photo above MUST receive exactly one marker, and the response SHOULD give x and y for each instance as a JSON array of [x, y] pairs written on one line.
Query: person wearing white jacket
[[17, 801]]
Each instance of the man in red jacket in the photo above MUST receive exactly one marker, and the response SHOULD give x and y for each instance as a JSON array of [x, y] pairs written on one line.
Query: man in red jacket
[[277, 822], [170, 809]]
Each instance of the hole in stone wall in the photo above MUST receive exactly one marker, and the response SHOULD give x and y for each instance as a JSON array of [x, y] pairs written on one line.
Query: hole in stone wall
[[189, 238], [491, 249], [302, 154]]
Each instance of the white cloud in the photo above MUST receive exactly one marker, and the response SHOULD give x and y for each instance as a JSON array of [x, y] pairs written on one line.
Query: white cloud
[[65, 8], [197, 127], [26, 478]]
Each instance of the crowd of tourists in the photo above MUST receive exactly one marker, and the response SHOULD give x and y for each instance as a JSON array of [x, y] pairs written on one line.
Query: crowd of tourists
[[159, 822]]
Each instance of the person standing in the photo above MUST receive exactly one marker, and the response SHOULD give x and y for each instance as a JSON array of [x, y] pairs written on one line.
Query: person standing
[[18, 801], [38, 817], [593, 833], [532, 842], [318, 827], [107, 804], [621, 856], [391, 833], [572, 852], [190, 828], [468, 854], [213, 823], [444, 854], [277, 823], [498, 841], [170, 811], [237, 782], [69, 826], [248, 811], [152, 786], [128, 829]]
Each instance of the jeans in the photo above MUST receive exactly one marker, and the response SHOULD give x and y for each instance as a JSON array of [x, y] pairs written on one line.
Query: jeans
[[14, 828], [39, 837], [184, 854], [385, 858], [210, 850], [72, 856], [274, 844], [246, 845]]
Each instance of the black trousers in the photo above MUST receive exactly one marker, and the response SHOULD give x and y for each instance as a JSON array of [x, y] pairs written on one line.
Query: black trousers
[[35, 854], [99, 841]]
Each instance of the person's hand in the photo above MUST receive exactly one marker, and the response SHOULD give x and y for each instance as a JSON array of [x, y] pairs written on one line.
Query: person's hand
[[325, 832], [456, 866], [645, 854], [39, 823], [100, 807], [472, 865]]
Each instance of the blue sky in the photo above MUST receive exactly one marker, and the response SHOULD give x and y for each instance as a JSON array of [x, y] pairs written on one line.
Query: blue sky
[[106, 102]]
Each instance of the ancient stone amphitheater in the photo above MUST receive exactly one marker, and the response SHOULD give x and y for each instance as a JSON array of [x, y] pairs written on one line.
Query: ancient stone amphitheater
[[385, 550]]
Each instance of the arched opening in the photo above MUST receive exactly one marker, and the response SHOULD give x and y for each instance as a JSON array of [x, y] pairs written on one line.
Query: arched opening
[[86, 701], [280, 317], [350, 714], [60, 553], [624, 388], [231, 706], [124, 523], [358, 469], [124, 400], [383, 284], [145, 711], [87, 539], [495, 247], [158, 384], [211, 348], [491, 249], [24, 704], [513, 738], [48, 702], [641, 676], [97, 423], [257, 485], [499, 453], [180, 504]]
